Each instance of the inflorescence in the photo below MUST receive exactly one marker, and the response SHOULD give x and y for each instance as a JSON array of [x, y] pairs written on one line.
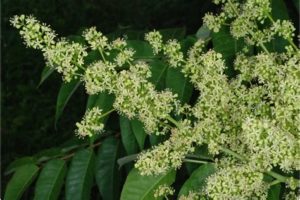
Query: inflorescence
[[252, 118]]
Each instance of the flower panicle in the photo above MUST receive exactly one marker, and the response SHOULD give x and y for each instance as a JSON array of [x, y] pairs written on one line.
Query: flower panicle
[[90, 124], [36, 35]]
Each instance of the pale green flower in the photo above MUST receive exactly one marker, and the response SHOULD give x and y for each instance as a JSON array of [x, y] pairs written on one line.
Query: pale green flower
[[95, 39], [66, 58], [236, 183], [100, 76], [172, 50], [291, 196], [34, 33], [270, 145], [136, 97], [118, 43], [169, 154], [124, 56], [90, 123], [163, 191], [155, 40], [192, 196], [213, 22]]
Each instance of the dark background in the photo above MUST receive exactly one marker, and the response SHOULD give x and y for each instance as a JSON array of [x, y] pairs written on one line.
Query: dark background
[[27, 110]]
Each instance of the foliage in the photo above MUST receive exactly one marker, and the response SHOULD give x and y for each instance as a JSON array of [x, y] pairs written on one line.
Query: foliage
[[240, 104]]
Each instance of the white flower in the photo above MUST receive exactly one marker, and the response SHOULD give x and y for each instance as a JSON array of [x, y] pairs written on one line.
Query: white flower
[[163, 191], [155, 40], [213, 22], [124, 56], [100, 76], [136, 97], [169, 154], [238, 183], [118, 43], [95, 39], [172, 50], [34, 33], [66, 58], [90, 123], [192, 196]]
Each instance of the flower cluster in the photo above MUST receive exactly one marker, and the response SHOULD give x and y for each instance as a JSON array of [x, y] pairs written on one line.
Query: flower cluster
[[270, 145], [100, 76], [95, 39], [244, 19], [34, 33], [169, 154], [254, 117], [118, 43], [163, 191], [214, 22], [136, 97], [291, 196], [236, 182], [125, 56], [155, 39], [66, 57], [90, 123], [172, 51], [192, 196]]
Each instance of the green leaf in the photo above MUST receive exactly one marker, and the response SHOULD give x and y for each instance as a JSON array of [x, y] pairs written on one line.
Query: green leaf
[[187, 43], [128, 139], [201, 152], [48, 154], [138, 187], [71, 144], [102, 100], [179, 84], [274, 192], [47, 71], [64, 94], [225, 44], [158, 71], [197, 180], [19, 163], [80, 176], [156, 139], [139, 132], [22, 178], [279, 11], [106, 169], [50, 181], [143, 50], [92, 56], [203, 32]]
